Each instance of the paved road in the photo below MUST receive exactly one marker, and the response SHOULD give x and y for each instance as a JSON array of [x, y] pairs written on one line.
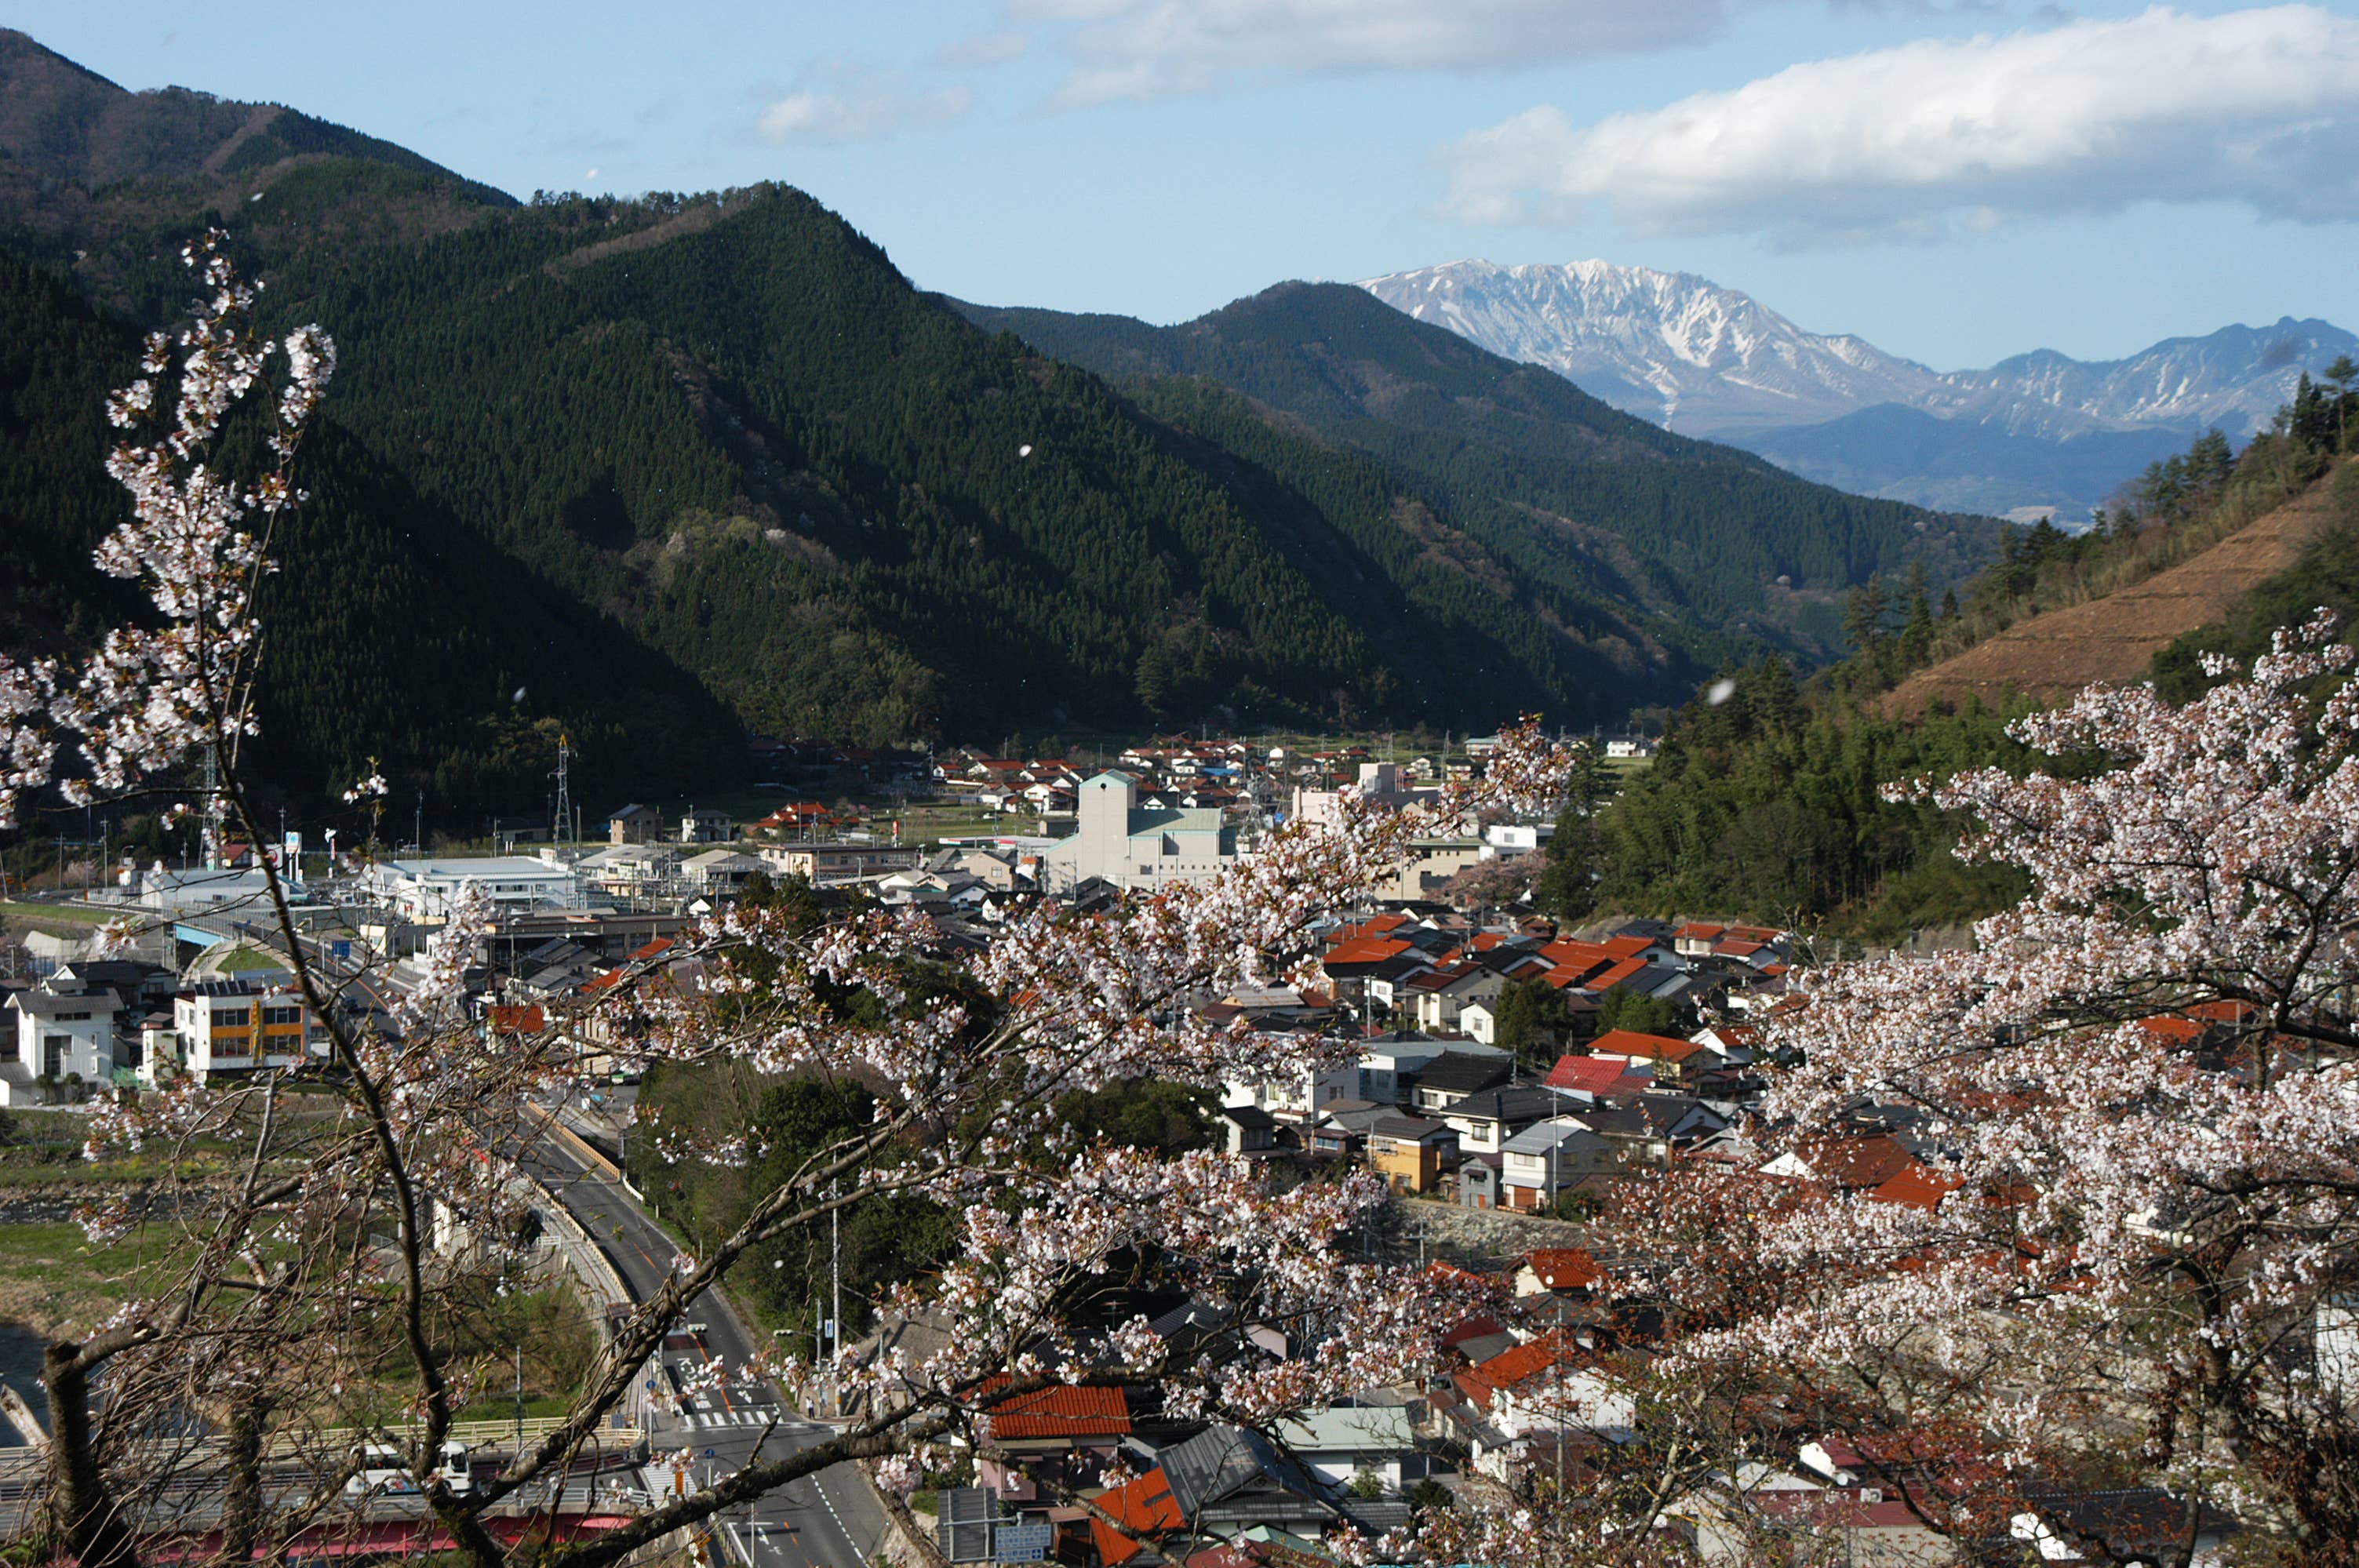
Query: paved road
[[830, 1521]]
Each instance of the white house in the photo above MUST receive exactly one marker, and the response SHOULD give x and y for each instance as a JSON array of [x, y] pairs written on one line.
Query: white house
[[706, 827], [719, 871], [1344, 1442], [61, 1030], [1439, 995], [1517, 838], [1549, 1157], [180, 891], [631, 868], [1300, 1096]]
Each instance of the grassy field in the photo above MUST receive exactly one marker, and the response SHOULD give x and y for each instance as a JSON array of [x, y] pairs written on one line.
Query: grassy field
[[53, 1280], [53, 914]]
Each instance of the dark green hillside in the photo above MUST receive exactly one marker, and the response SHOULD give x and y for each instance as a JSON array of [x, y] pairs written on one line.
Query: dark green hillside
[[734, 425], [392, 631], [1529, 464], [63, 124]]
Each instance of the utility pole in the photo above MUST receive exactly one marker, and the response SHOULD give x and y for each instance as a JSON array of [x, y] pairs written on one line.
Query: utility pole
[[835, 1269], [211, 844], [519, 1395]]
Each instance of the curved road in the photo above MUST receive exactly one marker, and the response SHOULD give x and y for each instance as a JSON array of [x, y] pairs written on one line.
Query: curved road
[[830, 1521]]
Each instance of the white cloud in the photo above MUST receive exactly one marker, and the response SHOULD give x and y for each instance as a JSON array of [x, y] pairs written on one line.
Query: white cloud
[[841, 103], [1139, 49], [2258, 107]]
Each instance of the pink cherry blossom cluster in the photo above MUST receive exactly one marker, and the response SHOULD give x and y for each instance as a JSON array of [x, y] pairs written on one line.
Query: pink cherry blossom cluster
[[149, 695], [2136, 1097]]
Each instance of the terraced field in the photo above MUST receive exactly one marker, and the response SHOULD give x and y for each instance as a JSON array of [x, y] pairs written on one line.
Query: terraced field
[[2113, 639]]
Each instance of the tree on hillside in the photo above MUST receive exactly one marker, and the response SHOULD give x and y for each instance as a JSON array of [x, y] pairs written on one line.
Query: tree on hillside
[[1532, 1020], [2340, 376], [1566, 889]]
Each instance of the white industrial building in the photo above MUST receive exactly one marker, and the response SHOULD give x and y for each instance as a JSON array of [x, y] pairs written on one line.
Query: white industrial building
[[1133, 847], [425, 889]]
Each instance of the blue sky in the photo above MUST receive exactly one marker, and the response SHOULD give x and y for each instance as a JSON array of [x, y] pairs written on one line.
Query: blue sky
[[1953, 179]]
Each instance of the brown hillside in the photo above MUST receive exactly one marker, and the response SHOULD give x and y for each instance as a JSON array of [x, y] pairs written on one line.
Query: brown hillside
[[2111, 639]]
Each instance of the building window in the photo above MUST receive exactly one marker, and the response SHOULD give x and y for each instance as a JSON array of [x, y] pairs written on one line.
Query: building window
[[53, 1054]]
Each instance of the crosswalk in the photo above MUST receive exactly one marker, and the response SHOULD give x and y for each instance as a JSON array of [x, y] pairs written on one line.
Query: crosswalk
[[742, 1415]]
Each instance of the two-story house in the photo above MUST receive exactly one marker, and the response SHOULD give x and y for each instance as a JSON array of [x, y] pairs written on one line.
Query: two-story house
[[63, 1030], [1454, 1076], [237, 1026], [1550, 1158]]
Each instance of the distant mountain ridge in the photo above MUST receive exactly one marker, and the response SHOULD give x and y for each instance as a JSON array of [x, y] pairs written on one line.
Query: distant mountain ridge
[[66, 132], [1688, 354]]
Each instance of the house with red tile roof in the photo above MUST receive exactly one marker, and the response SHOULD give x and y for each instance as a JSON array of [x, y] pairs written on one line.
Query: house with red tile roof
[[1855, 1164], [1558, 1269], [1604, 1077]]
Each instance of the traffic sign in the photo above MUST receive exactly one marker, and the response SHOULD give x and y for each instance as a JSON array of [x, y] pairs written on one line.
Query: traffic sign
[[1024, 1542]]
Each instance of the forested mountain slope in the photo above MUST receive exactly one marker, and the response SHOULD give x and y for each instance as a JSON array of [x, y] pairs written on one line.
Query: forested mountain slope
[[393, 632], [1534, 468]]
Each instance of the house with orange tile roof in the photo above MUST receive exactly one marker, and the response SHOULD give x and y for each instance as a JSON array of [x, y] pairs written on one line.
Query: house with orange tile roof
[[1058, 1420], [1633, 1046], [1695, 938], [1141, 1512], [1545, 1386], [1916, 1187]]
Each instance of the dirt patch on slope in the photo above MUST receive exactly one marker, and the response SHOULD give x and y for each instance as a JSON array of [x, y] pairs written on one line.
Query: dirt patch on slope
[[2112, 640], [692, 219]]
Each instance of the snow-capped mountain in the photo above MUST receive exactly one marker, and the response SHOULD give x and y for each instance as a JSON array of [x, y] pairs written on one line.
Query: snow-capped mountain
[[1684, 351], [2235, 379], [1668, 347]]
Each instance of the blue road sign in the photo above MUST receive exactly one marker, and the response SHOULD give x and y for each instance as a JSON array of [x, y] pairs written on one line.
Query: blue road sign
[[1024, 1542]]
